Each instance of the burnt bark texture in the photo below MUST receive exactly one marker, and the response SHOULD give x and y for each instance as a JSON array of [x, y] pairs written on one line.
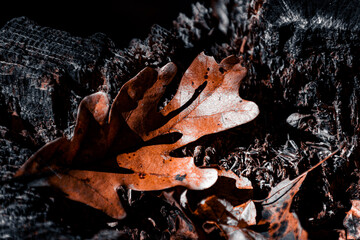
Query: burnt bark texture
[[303, 72]]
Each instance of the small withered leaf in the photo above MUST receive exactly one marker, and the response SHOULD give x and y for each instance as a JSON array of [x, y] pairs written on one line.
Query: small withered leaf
[[275, 209], [275, 212]]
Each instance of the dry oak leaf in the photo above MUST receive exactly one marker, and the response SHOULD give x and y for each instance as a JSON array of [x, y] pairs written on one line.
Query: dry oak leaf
[[140, 138]]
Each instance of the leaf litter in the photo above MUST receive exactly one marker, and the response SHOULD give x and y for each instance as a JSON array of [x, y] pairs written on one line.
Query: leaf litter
[[131, 143]]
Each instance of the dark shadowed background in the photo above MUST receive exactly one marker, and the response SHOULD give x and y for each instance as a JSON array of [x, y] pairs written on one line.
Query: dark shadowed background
[[120, 20]]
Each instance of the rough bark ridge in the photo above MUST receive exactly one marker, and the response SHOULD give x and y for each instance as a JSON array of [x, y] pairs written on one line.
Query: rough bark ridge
[[303, 61]]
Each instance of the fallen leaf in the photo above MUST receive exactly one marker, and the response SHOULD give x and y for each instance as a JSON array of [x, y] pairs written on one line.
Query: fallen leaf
[[275, 220], [224, 206], [140, 139], [275, 209], [185, 229], [232, 221], [223, 212], [282, 224], [352, 221]]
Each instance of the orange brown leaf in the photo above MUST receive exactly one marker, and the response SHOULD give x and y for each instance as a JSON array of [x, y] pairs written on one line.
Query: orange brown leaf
[[131, 143], [282, 224]]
